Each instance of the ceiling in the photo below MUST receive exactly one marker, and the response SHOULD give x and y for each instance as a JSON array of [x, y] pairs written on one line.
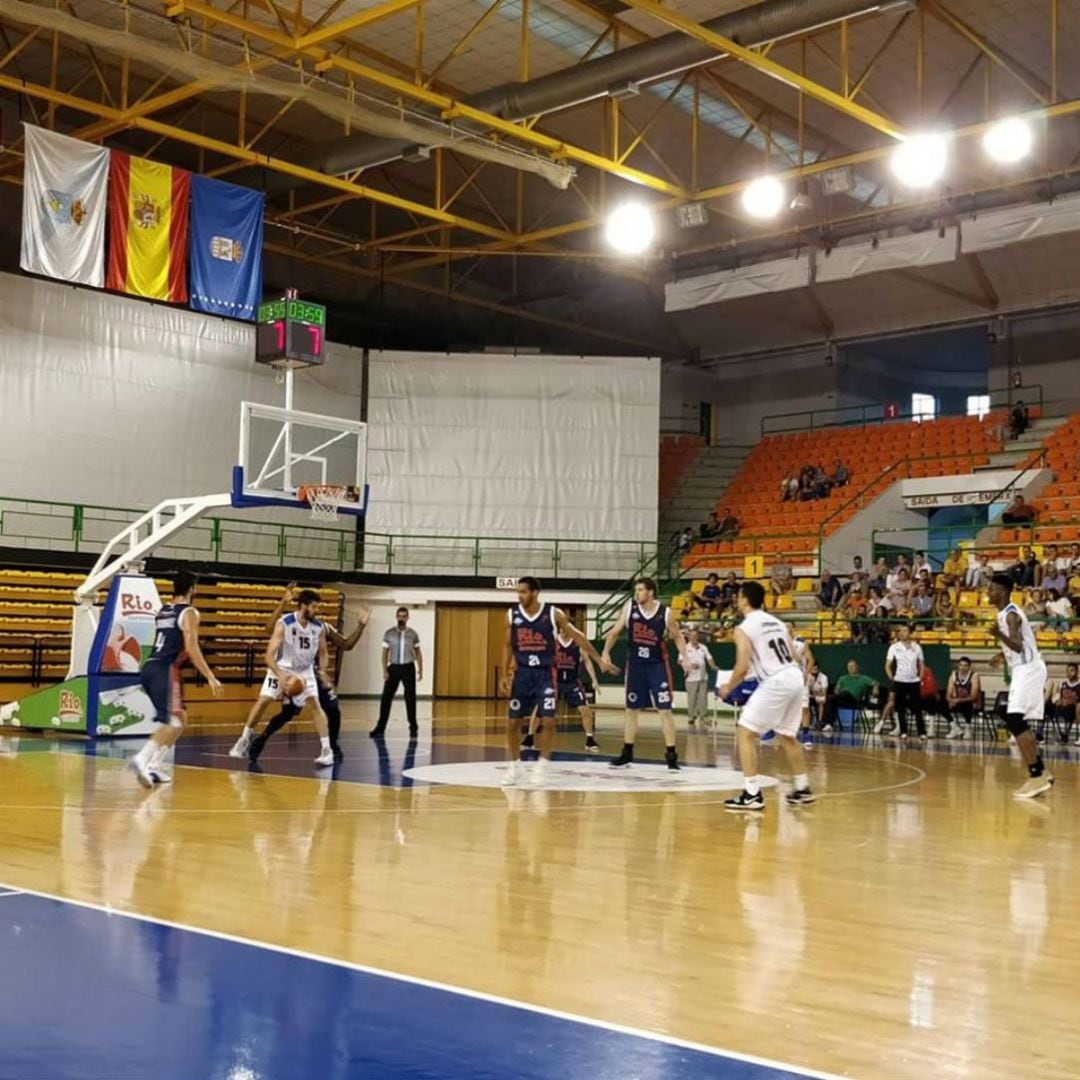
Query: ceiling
[[472, 243]]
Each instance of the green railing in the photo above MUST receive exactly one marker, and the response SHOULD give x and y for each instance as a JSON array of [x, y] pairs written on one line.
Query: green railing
[[861, 415], [73, 527]]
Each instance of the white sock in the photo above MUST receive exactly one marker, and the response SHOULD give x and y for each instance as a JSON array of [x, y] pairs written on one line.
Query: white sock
[[249, 730], [802, 782], [157, 759], [324, 742], [753, 785], [144, 754]]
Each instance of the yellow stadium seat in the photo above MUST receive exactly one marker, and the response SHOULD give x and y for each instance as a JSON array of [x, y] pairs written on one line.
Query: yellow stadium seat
[[969, 599], [785, 602], [804, 585]]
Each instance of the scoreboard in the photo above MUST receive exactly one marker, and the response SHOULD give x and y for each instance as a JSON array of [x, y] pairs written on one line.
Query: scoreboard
[[291, 333]]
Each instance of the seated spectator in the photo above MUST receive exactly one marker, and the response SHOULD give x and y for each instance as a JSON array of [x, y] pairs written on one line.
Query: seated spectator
[[856, 565], [1026, 571], [710, 528], [708, 600], [685, 540], [822, 483], [789, 486], [857, 580], [1053, 577], [1018, 420], [853, 691], [817, 683], [922, 606], [879, 610], [1059, 611], [919, 564], [1035, 605], [961, 697], [894, 573], [840, 474], [1068, 696], [783, 579], [806, 484], [829, 591], [1053, 561], [879, 576], [944, 608], [1019, 512], [978, 573], [729, 591], [1074, 560], [728, 528], [954, 568], [900, 590]]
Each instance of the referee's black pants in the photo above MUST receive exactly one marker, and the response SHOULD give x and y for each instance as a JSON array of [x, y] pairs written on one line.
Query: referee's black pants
[[909, 696], [398, 675]]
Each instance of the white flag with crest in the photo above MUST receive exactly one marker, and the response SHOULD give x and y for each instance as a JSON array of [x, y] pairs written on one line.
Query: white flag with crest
[[65, 188]]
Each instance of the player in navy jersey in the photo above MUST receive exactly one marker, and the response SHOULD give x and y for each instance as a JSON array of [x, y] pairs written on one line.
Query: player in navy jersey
[[568, 662], [176, 640], [529, 675], [648, 668]]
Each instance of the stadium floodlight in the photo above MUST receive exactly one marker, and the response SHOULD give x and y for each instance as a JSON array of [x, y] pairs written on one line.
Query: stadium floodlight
[[764, 197], [1009, 140], [630, 228], [919, 161]]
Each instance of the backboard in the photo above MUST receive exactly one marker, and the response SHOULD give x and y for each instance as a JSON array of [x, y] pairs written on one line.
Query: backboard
[[282, 450]]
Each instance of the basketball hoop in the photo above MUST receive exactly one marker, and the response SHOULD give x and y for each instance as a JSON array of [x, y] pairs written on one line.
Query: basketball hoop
[[324, 500]]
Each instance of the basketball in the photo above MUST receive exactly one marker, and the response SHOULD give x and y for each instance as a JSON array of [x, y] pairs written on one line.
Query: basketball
[[292, 685]]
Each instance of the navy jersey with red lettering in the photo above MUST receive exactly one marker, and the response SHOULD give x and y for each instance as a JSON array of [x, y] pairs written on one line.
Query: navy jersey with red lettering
[[568, 661], [169, 635], [646, 635], [532, 637]]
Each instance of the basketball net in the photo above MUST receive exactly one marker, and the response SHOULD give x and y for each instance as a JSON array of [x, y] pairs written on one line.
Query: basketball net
[[324, 500]]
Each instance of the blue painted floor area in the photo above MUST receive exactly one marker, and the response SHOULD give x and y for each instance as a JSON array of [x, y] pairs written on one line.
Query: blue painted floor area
[[128, 999]]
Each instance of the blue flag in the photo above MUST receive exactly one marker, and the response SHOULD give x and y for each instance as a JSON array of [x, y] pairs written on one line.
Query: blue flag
[[226, 248]]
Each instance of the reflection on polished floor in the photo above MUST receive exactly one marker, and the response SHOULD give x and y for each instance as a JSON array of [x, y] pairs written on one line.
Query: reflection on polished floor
[[917, 921]]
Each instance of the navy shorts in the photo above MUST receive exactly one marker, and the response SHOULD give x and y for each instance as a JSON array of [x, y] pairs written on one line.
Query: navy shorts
[[534, 688], [648, 685], [572, 694], [161, 682]]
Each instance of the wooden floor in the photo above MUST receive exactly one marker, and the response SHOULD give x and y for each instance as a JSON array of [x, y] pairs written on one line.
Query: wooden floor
[[917, 922]]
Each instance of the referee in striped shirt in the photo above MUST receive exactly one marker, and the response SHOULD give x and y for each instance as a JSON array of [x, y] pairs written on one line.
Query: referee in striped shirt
[[402, 664]]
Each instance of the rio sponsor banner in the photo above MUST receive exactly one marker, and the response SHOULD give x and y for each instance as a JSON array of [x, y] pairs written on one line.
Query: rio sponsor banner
[[123, 709], [125, 635], [64, 707]]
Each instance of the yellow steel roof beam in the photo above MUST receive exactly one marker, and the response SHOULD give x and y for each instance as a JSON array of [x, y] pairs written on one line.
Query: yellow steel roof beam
[[769, 67], [353, 22]]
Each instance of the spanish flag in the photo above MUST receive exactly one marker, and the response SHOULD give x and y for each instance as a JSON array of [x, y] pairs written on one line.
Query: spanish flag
[[148, 228]]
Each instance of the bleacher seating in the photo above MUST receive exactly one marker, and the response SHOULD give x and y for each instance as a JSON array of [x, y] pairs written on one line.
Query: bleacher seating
[[35, 628], [791, 530], [677, 454]]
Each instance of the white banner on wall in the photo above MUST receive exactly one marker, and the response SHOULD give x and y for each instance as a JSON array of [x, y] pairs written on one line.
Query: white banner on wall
[[515, 446]]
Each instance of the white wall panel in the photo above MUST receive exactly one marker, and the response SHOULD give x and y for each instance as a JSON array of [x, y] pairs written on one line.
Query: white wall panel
[[513, 446]]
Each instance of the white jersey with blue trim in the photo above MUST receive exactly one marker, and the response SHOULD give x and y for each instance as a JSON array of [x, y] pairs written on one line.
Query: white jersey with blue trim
[[770, 644], [1029, 651], [300, 644]]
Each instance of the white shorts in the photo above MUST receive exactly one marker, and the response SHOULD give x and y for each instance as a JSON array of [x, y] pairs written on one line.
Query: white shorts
[[271, 688], [776, 704], [1027, 690]]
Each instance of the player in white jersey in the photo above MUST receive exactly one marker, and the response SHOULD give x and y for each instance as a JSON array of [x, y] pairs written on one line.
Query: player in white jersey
[[764, 649], [1027, 682], [804, 657], [298, 641]]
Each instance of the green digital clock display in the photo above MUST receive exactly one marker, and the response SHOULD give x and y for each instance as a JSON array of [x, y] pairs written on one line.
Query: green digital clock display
[[291, 333]]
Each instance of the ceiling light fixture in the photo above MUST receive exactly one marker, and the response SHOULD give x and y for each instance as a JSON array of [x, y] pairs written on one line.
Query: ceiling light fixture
[[630, 228], [1009, 140], [763, 197], [920, 160]]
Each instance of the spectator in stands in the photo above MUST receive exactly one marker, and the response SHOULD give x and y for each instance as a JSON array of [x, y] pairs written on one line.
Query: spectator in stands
[[922, 607], [1035, 605], [894, 573], [1068, 696], [729, 526], [856, 565], [1059, 611], [685, 541], [710, 528], [829, 591], [1019, 420], [1074, 560], [806, 484], [919, 564], [1053, 561], [840, 474], [729, 591], [1019, 512], [818, 684], [789, 486], [879, 576], [953, 569], [944, 608], [783, 579], [853, 691], [709, 599], [879, 610], [822, 483], [1026, 571], [1053, 577], [978, 573], [961, 697], [900, 590]]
